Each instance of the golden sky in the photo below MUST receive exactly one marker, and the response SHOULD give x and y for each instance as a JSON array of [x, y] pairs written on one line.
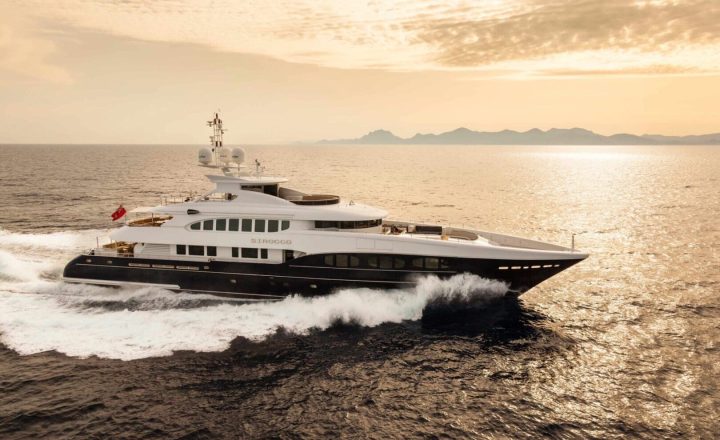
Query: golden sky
[[140, 71]]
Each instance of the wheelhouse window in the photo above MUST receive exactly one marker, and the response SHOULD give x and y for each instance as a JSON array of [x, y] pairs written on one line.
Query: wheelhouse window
[[195, 226], [180, 249], [233, 224], [207, 225], [361, 224], [259, 225], [272, 226], [246, 225], [285, 225], [220, 224]]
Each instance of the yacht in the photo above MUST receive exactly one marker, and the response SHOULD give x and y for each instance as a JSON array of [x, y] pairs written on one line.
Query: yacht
[[253, 238]]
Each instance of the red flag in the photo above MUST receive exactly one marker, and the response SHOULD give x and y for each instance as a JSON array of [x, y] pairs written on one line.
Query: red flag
[[118, 213]]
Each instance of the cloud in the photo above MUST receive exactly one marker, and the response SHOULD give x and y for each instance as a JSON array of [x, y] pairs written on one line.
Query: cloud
[[546, 28], [26, 52], [522, 36]]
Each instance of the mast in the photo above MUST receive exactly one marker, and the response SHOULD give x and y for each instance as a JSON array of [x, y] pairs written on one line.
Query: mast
[[216, 139]]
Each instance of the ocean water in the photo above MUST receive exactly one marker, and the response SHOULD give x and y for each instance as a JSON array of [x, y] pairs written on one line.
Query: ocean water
[[624, 344]]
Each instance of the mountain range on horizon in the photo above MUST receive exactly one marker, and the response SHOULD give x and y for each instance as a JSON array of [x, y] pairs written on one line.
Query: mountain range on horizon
[[535, 136]]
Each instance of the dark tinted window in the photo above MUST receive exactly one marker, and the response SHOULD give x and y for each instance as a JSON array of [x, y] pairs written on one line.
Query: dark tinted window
[[259, 225], [398, 262], [235, 252], [285, 225], [341, 261], [212, 251], [354, 261], [246, 225], [431, 263], [249, 253], [417, 263], [233, 224], [180, 249], [195, 226], [372, 261], [196, 250], [273, 225], [220, 224], [385, 262], [329, 260], [207, 225], [263, 253], [444, 263]]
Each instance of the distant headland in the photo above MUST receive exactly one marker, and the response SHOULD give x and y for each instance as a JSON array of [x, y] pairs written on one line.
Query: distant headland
[[554, 136]]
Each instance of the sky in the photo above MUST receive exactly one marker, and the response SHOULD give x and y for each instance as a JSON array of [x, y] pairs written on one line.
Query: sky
[[140, 71]]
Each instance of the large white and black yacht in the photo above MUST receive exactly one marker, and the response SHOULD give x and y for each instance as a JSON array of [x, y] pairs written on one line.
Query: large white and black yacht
[[253, 238]]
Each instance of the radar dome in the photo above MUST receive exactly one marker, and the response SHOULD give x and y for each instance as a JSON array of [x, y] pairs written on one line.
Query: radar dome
[[238, 155], [224, 155], [204, 156]]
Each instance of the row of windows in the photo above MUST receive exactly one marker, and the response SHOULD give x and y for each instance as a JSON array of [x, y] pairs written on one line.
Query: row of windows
[[211, 251], [537, 266], [385, 262], [244, 225], [362, 224]]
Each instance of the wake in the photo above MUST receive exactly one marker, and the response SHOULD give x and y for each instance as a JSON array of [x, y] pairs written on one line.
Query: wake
[[39, 313]]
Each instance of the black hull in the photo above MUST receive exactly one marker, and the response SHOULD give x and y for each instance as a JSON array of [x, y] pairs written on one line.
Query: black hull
[[262, 281]]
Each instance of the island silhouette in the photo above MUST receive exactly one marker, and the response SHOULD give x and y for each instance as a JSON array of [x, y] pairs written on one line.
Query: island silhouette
[[535, 136]]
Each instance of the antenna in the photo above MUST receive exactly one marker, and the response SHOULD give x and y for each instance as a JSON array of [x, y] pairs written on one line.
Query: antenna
[[216, 139]]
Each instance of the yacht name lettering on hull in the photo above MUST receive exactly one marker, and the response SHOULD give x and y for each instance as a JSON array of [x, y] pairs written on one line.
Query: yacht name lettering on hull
[[269, 241]]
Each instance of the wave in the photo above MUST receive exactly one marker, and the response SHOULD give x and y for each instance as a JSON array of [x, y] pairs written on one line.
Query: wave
[[38, 314]]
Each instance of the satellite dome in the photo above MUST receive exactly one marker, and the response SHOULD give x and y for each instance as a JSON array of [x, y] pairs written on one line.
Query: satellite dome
[[238, 155], [204, 156]]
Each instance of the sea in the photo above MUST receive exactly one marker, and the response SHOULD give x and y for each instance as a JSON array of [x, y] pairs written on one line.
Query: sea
[[623, 345]]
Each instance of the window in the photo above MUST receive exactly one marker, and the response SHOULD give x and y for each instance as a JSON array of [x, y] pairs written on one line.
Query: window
[[329, 260], [285, 224], [233, 224], [196, 250], [385, 262], [341, 261], [398, 262], [246, 225], [180, 249], [372, 261], [195, 226], [220, 224], [431, 263], [234, 252], [444, 263], [417, 263], [259, 225], [207, 225], [211, 251], [249, 253], [354, 261], [273, 225], [361, 224], [264, 253], [289, 255]]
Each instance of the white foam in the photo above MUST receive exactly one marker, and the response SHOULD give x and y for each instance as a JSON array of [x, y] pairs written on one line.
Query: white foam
[[70, 240], [37, 315]]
